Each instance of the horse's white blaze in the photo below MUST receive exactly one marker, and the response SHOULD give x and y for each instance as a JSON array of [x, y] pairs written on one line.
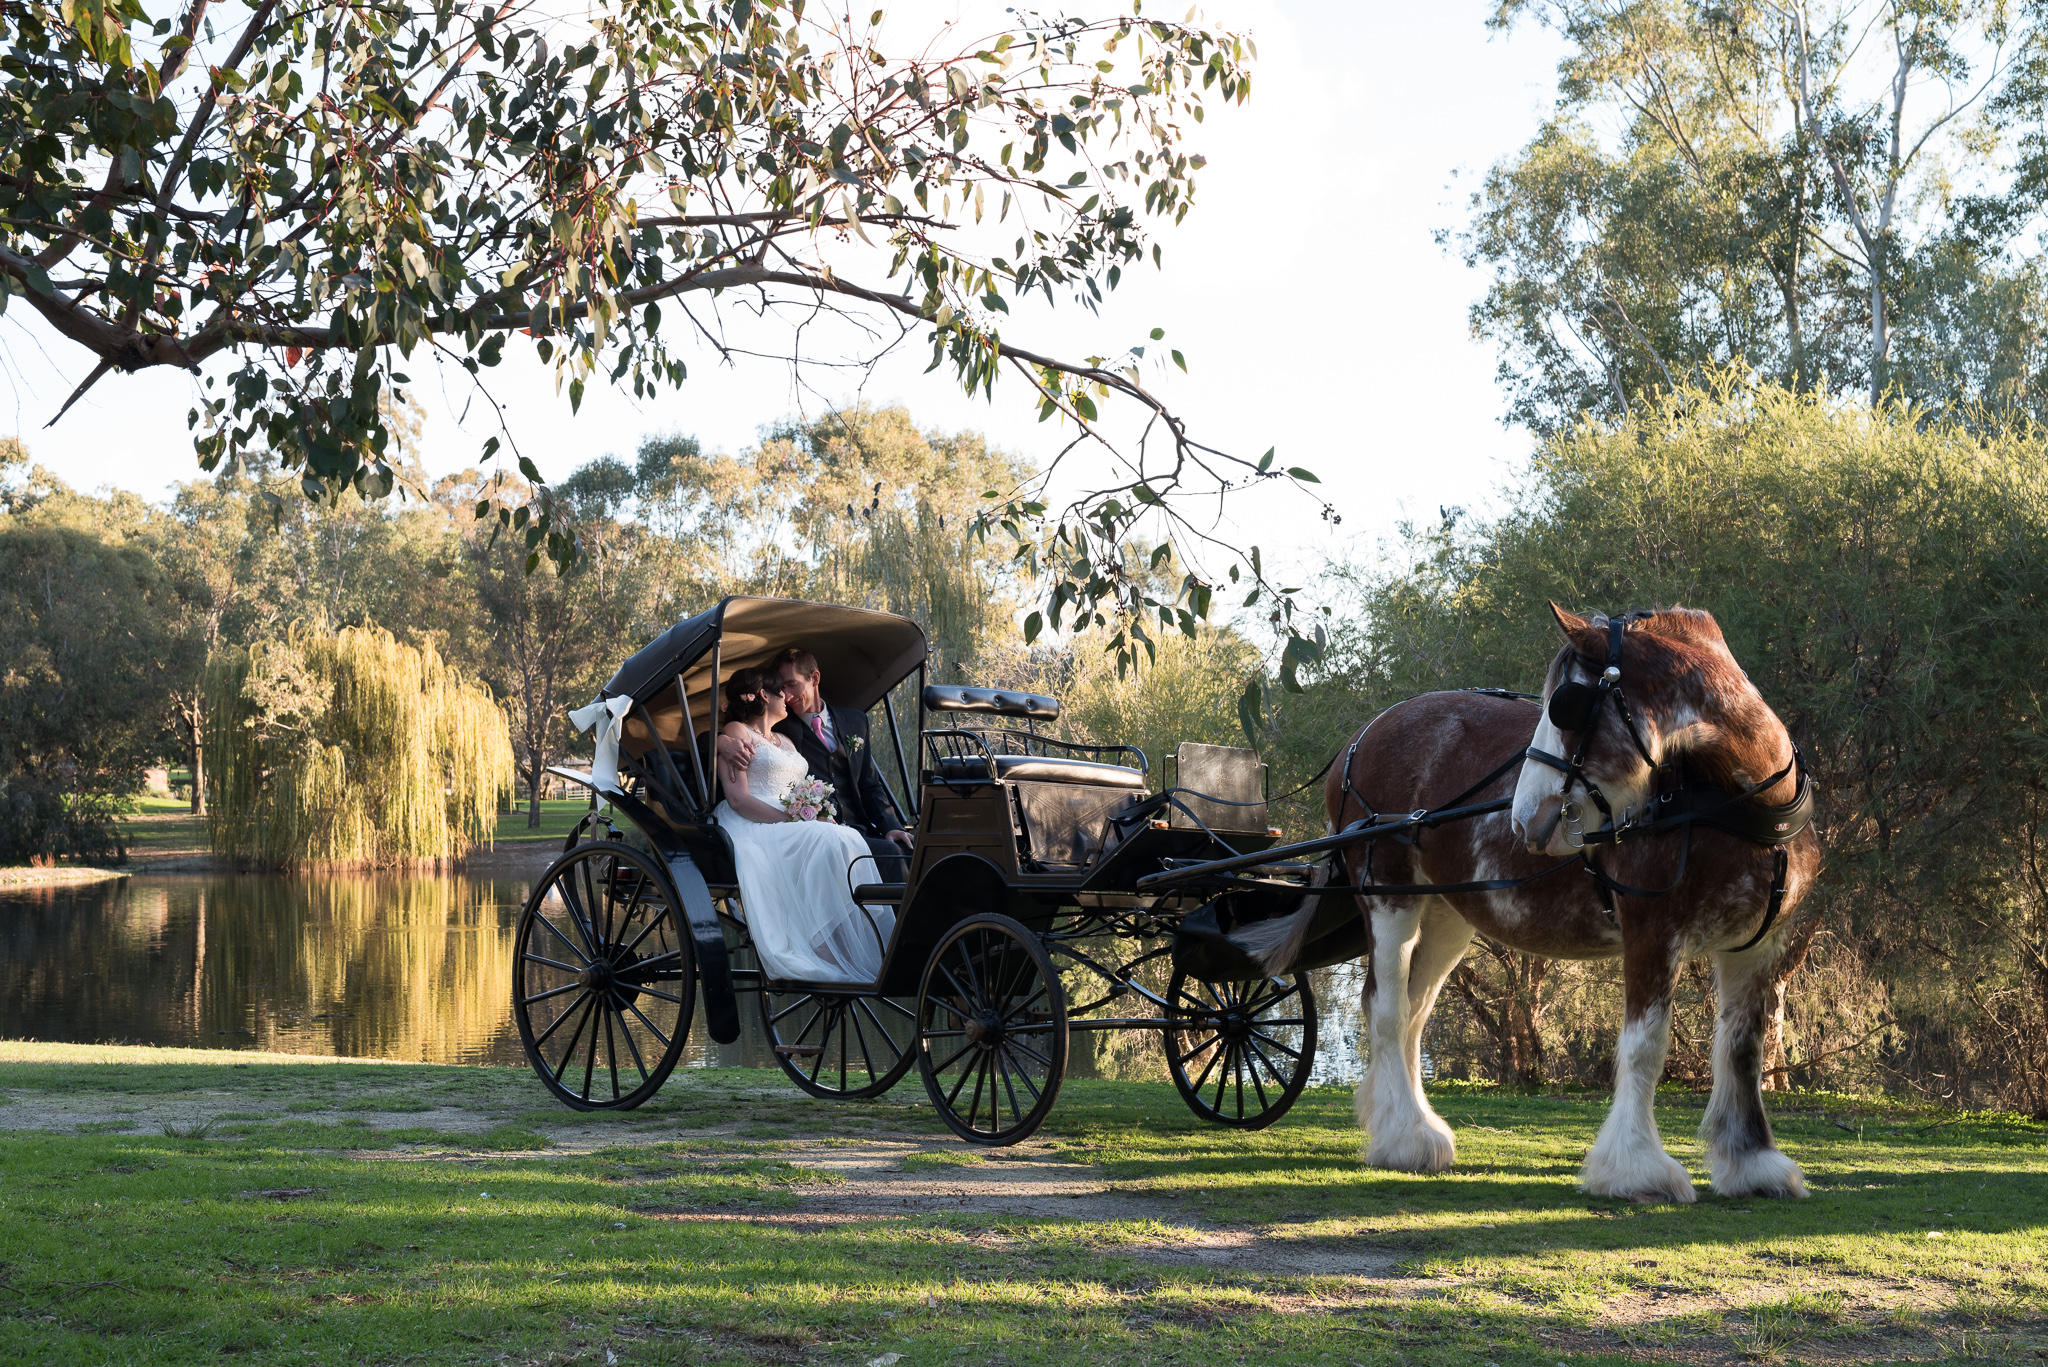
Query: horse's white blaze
[[1539, 790], [1628, 1158]]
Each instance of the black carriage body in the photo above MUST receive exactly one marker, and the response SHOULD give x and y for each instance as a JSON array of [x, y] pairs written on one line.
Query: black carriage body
[[1017, 832]]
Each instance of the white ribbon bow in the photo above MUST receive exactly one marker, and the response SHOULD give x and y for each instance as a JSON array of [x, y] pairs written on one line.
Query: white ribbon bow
[[609, 716]]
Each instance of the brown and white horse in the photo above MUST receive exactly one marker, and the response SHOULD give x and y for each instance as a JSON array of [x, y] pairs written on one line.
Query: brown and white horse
[[1679, 722]]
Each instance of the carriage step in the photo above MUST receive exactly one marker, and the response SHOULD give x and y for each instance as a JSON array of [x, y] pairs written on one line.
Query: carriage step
[[879, 894], [804, 1049]]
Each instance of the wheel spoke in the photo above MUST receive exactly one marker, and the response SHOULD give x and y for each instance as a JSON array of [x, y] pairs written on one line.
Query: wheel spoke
[[611, 1052], [1294, 1054], [1021, 1047], [651, 1026], [1002, 1057], [1024, 1076], [551, 992], [852, 1017], [861, 1003], [981, 1081], [1183, 1057], [540, 919], [633, 1045], [1215, 1054], [941, 1067], [965, 1073], [543, 1036], [534, 958], [1252, 1053], [569, 1053]]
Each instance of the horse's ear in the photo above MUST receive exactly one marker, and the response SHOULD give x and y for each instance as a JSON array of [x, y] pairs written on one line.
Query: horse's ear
[[1568, 622]]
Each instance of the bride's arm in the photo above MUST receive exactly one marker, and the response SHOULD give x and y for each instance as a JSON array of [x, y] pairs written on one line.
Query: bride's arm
[[744, 802]]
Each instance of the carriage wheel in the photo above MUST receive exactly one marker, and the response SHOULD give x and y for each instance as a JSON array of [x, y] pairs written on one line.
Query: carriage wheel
[[992, 1030], [603, 978], [1240, 1052], [840, 1045]]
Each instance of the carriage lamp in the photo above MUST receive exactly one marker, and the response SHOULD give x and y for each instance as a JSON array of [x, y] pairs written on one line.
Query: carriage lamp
[[1273, 831]]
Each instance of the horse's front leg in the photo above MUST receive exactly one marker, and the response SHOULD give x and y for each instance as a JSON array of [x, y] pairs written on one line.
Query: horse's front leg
[[1740, 1150], [1628, 1158], [1415, 947]]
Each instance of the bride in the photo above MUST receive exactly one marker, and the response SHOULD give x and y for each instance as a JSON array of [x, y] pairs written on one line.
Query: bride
[[794, 874]]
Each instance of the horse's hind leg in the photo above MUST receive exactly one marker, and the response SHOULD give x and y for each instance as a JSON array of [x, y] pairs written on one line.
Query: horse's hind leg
[[1415, 947], [1628, 1158], [1740, 1151]]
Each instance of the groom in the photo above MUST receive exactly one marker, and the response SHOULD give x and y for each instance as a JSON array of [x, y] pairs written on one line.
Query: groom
[[834, 742]]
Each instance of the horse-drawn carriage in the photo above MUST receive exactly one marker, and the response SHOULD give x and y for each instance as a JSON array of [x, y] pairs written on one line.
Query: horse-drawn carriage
[[1028, 887]]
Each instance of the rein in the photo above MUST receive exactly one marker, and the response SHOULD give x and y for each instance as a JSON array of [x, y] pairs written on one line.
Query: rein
[[1577, 706]]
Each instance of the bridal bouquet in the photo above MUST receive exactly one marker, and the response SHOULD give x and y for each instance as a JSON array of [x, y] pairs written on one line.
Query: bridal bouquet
[[809, 799]]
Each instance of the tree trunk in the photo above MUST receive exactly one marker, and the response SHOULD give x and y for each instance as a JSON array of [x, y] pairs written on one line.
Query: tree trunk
[[535, 774], [198, 763]]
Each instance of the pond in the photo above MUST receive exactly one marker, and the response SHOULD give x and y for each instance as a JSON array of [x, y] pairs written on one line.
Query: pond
[[391, 966]]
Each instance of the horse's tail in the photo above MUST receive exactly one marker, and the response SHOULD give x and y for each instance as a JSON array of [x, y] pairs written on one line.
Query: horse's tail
[[1276, 942]]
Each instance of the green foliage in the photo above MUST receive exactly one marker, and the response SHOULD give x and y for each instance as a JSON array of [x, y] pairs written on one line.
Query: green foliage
[[1747, 187], [1879, 575], [351, 747], [337, 192], [85, 653]]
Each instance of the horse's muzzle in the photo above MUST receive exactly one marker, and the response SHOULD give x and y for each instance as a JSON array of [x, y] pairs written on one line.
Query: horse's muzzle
[[1540, 829]]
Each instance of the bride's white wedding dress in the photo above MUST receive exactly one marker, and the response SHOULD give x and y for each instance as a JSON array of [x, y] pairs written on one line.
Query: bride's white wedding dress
[[800, 915]]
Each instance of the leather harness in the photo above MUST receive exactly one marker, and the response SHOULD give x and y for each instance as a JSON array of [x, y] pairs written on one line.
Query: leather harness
[[1576, 706]]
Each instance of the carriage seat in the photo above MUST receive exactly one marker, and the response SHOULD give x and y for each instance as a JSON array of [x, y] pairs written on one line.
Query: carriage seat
[[998, 702], [1040, 769]]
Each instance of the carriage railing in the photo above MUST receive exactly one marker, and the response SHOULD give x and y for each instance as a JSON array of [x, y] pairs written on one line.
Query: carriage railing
[[965, 744]]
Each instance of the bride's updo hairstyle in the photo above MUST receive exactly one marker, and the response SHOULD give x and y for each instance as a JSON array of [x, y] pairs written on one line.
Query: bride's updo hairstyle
[[746, 693]]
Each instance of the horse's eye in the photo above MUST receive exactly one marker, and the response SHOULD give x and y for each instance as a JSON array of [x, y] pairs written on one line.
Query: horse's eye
[[1571, 705]]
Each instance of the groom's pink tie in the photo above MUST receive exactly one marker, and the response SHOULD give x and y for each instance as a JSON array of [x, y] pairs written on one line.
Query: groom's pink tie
[[818, 726]]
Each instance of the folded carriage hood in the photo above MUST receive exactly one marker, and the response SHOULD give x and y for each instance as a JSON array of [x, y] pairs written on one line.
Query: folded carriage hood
[[862, 654]]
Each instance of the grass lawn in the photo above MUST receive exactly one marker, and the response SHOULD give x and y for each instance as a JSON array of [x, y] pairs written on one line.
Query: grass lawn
[[166, 1206], [164, 828], [556, 817]]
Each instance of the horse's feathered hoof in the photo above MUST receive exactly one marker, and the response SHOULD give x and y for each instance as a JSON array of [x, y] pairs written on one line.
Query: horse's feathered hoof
[[1644, 1178], [1760, 1172]]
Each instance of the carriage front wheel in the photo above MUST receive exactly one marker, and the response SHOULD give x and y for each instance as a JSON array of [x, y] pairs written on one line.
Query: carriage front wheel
[[992, 1030], [1240, 1052], [603, 978]]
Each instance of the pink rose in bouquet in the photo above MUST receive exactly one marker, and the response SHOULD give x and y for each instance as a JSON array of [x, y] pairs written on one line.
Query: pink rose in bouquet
[[809, 799]]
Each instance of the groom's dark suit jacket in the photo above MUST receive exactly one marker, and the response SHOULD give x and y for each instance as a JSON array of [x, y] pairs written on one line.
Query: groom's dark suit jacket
[[864, 800]]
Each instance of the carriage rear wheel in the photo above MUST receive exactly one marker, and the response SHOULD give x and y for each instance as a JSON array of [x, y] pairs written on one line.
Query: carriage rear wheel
[[1240, 1052], [603, 978], [992, 1030], [840, 1045]]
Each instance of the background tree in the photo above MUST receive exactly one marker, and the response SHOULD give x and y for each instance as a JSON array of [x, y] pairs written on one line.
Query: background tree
[[85, 650], [332, 193], [1784, 186]]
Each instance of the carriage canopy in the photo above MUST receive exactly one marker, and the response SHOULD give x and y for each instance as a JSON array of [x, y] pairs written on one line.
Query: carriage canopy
[[862, 654]]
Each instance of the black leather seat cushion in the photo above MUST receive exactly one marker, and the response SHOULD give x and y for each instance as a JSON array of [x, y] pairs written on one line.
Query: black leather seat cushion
[[1039, 769]]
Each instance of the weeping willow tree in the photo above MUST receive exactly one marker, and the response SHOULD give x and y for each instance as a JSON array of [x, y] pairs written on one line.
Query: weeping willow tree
[[351, 747], [912, 564]]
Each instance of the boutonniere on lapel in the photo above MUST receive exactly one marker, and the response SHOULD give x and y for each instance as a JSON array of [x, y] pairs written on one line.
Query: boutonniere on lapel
[[854, 744]]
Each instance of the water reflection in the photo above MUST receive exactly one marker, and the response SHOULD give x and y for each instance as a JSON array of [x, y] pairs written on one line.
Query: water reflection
[[363, 966]]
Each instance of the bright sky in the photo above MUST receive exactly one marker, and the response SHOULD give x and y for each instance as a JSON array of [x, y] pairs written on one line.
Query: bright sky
[[1317, 314]]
